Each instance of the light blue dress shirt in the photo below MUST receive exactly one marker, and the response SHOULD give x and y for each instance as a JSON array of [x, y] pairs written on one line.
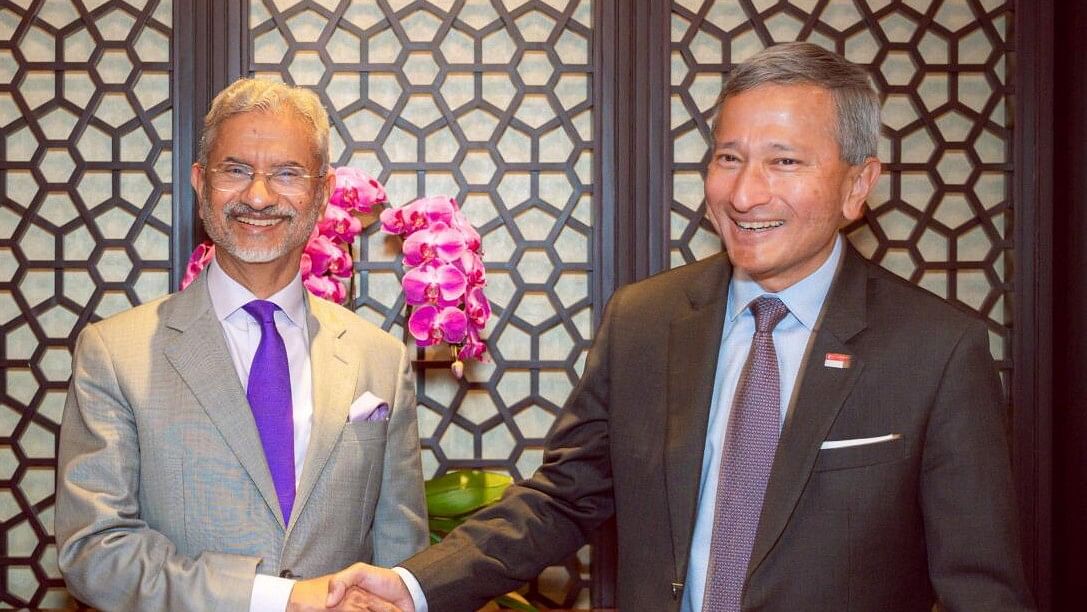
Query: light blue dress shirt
[[805, 302]]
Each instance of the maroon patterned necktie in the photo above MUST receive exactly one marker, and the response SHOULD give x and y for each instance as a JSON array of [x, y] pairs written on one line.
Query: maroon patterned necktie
[[750, 443]]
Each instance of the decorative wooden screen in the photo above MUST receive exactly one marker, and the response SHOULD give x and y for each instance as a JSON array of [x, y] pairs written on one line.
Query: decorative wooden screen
[[85, 223]]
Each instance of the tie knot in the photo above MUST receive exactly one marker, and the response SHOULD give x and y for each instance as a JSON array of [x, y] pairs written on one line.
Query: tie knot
[[769, 311], [262, 310]]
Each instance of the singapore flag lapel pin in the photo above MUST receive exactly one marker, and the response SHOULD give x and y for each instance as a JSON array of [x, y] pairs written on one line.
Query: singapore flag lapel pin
[[837, 360]]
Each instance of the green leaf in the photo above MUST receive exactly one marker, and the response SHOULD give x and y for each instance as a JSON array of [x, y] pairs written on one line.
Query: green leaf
[[464, 491], [509, 602], [442, 525]]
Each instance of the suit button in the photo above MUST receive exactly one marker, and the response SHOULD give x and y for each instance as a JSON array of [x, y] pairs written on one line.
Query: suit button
[[288, 574]]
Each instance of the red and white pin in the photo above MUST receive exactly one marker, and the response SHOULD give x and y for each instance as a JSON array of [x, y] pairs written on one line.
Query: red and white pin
[[837, 360]]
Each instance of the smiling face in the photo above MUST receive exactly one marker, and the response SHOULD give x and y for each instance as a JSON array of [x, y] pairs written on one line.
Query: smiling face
[[256, 228], [777, 189]]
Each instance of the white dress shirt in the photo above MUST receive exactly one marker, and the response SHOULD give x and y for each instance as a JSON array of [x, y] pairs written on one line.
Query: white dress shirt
[[242, 331]]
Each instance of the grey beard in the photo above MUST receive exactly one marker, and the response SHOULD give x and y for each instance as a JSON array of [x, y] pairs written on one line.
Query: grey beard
[[223, 239]]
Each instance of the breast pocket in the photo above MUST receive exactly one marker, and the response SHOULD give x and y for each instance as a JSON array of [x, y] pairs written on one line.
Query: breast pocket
[[860, 456], [365, 430]]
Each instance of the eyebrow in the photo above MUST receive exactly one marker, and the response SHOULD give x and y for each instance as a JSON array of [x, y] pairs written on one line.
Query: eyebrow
[[286, 164], [777, 146]]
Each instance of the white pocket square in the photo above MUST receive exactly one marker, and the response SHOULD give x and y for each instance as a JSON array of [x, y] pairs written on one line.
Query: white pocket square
[[368, 407], [859, 441]]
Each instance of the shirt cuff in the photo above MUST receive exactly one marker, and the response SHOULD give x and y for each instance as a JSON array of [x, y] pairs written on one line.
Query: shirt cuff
[[416, 591], [270, 594]]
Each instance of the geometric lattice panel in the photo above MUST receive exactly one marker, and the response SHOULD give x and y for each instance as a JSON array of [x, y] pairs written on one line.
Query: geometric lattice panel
[[85, 216], [941, 213], [490, 102]]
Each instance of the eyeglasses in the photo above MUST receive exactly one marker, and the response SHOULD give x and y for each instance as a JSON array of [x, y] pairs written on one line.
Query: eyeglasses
[[233, 178]]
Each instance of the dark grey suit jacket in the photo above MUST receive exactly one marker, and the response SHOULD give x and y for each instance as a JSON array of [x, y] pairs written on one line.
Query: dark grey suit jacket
[[891, 526]]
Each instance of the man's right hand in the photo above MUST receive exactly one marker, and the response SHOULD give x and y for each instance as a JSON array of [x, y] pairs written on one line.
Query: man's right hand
[[382, 582], [311, 595]]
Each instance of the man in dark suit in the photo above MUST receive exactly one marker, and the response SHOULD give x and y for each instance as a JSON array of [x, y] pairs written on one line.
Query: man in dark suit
[[788, 427]]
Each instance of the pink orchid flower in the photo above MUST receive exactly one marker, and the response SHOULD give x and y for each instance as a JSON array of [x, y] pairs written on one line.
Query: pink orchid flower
[[325, 287], [339, 223], [472, 265], [434, 283], [327, 256], [471, 237], [356, 190], [305, 265], [429, 325], [200, 258], [418, 215], [477, 307], [438, 241], [473, 347]]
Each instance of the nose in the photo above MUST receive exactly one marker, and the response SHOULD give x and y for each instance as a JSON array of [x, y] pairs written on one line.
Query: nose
[[751, 189], [258, 194]]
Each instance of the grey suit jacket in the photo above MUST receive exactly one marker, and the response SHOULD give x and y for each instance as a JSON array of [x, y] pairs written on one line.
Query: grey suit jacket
[[891, 526], [164, 497]]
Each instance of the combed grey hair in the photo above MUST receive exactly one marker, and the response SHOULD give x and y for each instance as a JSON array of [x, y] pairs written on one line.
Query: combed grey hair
[[263, 95], [803, 63]]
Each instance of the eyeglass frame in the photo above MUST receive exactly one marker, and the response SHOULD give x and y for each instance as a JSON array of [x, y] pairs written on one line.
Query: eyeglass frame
[[253, 175]]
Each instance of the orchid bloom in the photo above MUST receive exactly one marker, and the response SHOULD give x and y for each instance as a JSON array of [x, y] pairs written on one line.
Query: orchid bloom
[[325, 287], [418, 215], [434, 283], [472, 265], [471, 237], [339, 223], [326, 256], [305, 265], [477, 307], [429, 325], [356, 190], [438, 241], [473, 347], [200, 258]]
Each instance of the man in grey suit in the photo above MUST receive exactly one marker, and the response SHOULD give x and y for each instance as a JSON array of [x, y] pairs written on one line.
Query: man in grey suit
[[229, 446], [785, 427]]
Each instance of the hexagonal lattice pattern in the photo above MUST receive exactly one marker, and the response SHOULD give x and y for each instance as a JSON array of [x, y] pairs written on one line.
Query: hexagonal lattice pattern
[[940, 216], [85, 210], [491, 105]]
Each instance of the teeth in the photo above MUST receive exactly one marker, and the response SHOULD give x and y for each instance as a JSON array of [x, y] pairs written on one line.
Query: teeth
[[758, 225], [258, 222]]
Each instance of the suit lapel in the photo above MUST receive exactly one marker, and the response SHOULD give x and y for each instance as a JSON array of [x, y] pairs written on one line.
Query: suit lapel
[[200, 355], [821, 393], [334, 372], [693, 344]]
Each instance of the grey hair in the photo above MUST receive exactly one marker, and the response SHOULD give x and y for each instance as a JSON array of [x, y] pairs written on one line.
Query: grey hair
[[262, 95], [803, 63]]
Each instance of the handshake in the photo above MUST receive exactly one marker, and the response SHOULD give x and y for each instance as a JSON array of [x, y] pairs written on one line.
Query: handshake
[[357, 587]]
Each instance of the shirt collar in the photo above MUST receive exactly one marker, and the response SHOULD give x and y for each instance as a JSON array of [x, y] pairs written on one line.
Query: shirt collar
[[228, 295], [803, 299]]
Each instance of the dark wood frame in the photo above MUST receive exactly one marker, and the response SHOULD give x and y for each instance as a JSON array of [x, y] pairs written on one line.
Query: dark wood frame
[[1066, 141], [1032, 341]]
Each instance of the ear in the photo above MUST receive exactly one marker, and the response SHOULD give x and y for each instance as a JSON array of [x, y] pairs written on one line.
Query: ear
[[862, 179], [196, 179]]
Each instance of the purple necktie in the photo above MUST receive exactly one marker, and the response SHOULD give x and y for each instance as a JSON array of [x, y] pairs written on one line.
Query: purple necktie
[[750, 444], [269, 394]]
